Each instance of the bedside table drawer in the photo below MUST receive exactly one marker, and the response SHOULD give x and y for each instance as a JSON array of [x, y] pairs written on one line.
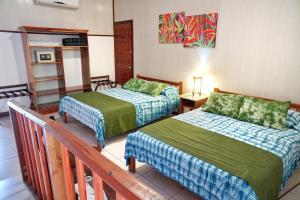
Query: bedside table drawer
[[191, 102], [199, 103], [188, 103]]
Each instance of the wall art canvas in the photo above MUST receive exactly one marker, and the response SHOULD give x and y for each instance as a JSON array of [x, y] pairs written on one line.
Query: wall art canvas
[[200, 30], [171, 27]]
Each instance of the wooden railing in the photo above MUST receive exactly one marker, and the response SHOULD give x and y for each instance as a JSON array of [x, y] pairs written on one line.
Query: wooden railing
[[52, 159]]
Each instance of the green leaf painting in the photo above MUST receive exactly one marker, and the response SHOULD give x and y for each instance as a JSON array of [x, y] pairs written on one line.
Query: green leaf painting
[[171, 27], [200, 30]]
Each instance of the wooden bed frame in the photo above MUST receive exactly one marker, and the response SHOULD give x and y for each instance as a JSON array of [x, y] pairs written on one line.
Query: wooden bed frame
[[132, 161]]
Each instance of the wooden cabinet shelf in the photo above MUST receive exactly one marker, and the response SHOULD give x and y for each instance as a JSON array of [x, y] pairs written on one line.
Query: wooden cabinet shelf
[[57, 47], [43, 47], [50, 92], [48, 107], [48, 63], [77, 88], [49, 78], [73, 47]]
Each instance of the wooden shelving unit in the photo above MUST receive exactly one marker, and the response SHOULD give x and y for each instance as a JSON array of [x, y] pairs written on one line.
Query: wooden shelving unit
[[61, 90]]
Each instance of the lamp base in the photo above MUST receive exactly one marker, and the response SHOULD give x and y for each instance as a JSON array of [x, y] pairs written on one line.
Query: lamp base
[[196, 94]]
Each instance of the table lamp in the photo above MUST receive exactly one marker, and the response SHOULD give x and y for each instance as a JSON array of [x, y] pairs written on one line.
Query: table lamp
[[197, 85]]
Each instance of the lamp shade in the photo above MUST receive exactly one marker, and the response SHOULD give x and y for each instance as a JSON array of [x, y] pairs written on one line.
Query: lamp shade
[[197, 86]]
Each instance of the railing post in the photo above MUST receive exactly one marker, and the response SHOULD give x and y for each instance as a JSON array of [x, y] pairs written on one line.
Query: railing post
[[80, 179], [98, 187], [32, 156], [56, 172], [44, 164], [68, 176], [29, 170], [20, 150]]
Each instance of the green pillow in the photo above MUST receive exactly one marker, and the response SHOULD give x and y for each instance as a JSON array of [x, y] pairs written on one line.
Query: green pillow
[[271, 114], [134, 84], [224, 104], [153, 88]]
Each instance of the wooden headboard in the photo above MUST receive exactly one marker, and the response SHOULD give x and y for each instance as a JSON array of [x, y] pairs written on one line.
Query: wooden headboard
[[176, 84], [293, 105]]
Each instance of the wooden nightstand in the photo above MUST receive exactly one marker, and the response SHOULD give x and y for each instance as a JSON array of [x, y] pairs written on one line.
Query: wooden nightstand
[[192, 102]]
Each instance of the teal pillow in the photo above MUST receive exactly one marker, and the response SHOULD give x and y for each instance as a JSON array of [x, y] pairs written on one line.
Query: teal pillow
[[267, 113], [134, 84], [153, 88], [224, 104]]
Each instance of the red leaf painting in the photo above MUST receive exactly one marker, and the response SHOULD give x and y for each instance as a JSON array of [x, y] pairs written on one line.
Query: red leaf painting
[[171, 27], [200, 30]]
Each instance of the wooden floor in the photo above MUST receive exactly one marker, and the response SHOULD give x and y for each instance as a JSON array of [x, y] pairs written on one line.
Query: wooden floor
[[12, 187]]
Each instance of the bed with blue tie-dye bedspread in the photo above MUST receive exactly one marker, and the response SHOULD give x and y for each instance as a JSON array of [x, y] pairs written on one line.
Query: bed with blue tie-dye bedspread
[[148, 108], [204, 179]]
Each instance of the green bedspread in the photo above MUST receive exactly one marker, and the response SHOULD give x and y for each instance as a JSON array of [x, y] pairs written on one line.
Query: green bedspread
[[119, 116], [261, 169]]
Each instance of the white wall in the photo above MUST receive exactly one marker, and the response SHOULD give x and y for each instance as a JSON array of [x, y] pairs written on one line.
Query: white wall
[[257, 50], [12, 68], [12, 65], [94, 15], [102, 61]]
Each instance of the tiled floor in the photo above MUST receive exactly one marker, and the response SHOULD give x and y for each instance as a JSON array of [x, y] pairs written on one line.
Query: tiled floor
[[114, 150], [11, 183]]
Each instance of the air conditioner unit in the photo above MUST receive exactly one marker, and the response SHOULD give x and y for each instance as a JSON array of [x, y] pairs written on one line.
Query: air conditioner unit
[[74, 4]]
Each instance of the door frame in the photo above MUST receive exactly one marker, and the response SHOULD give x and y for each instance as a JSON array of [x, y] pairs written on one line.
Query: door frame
[[132, 54]]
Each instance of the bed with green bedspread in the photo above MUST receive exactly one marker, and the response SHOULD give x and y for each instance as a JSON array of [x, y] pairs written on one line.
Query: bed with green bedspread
[[114, 111], [218, 157]]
